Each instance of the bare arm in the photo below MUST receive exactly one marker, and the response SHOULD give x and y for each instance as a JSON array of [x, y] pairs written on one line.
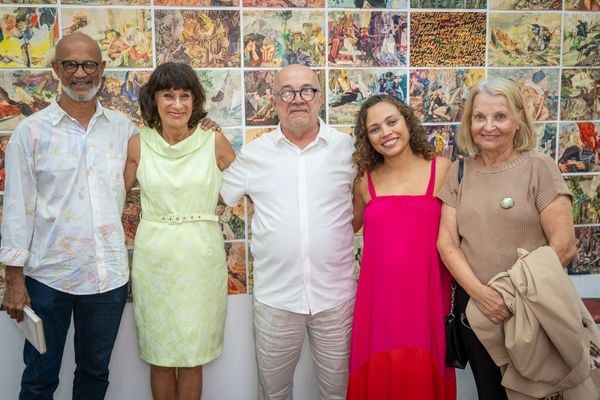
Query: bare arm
[[557, 222], [223, 151], [15, 295], [442, 165], [358, 203], [133, 160], [487, 299]]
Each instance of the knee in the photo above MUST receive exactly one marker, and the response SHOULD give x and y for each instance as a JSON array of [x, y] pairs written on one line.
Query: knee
[[158, 370]]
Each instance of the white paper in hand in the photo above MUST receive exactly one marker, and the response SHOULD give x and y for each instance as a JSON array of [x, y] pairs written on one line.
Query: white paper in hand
[[33, 329]]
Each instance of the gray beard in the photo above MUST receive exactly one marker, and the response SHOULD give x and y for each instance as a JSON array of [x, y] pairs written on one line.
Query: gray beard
[[87, 96]]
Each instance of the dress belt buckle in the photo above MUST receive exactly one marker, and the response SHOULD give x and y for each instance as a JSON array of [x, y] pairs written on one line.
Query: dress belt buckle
[[174, 219]]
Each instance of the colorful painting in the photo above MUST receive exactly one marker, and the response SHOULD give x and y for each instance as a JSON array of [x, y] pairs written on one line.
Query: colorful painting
[[121, 91], [258, 105], [236, 265], [452, 4], [124, 35], [131, 216], [198, 38], [223, 89], [198, 3], [285, 3], [579, 147], [442, 139], [586, 198], [231, 220], [24, 92], [367, 38], [587, 260], [439, 95], [390, 4], [582, 5], [108, 2], [546, 136], [538, 86], [525, 4], [580, 94], [581, 39], [349, 88], [4, 138], [461, 44], [524, 39], [28, 36], [278, 38]]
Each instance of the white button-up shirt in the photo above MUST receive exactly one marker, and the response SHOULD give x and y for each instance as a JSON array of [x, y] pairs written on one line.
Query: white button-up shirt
[[64, 198], [302, 236]]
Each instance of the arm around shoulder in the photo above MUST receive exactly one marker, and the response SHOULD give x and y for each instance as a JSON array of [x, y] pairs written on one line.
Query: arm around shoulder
[[133, 160]]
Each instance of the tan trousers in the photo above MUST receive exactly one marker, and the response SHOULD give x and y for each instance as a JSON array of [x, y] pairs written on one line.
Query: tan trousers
[[279, 336]]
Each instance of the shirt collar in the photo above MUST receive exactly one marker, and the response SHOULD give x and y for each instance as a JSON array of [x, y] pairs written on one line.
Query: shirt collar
[[57, 113], [323, 135]]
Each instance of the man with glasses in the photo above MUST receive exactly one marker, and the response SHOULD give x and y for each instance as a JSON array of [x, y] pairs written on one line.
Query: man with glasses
[[299, 178], [62, 237]]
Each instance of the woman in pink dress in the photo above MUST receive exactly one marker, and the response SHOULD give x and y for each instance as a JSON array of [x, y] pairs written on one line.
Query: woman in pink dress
[[398, 342]]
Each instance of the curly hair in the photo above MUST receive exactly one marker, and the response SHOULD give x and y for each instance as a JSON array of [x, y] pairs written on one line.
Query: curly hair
[[171, 76], [365, 157]]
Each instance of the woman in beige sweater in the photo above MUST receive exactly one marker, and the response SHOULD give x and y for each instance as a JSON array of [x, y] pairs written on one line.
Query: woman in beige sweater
[[509, 197]]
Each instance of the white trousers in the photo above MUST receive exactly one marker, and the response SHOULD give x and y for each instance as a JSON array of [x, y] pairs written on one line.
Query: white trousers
[[279, 336]]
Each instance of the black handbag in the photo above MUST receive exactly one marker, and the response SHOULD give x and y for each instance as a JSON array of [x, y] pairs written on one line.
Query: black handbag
[[456, 356]]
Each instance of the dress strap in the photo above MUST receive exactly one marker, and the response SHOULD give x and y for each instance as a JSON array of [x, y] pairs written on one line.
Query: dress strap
[[371, 186], [431, 185]]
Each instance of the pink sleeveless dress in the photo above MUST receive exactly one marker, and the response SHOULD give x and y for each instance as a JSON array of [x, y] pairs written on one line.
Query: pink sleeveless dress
[[398, 340]]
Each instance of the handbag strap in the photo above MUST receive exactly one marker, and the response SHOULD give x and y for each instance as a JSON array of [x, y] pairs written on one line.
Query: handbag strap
[[461, 167]]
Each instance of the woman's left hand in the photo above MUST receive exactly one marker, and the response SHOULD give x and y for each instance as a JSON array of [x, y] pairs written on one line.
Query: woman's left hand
[[491, 304], [208, 124]]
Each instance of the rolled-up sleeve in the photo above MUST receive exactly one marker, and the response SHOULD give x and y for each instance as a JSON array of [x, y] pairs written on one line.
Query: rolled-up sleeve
[[235, 180], [19, 203]]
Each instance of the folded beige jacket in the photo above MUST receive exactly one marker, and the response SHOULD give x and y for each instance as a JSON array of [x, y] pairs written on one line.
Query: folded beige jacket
[[544, 347]]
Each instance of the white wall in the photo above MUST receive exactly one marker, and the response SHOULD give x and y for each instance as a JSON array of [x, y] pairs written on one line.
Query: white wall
[[231, 377]]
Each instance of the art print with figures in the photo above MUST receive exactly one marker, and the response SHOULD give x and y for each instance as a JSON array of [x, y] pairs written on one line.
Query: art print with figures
[[277, 38], [581, 40], [124, 36], [27, 36], [23, 93], [349, 88], [367, 38], [524, 39], [207, 38], [587, 260], [539, 88], [580, 94], [579, 147]]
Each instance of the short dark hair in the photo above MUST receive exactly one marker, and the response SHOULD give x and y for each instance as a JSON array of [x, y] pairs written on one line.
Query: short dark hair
[[365, 157], [172, 76]]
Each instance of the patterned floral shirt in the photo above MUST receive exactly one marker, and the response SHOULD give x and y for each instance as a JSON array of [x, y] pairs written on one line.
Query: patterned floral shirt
[[63, 200]]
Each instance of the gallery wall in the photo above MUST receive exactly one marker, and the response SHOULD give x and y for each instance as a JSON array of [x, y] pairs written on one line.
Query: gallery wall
[[426, 52]]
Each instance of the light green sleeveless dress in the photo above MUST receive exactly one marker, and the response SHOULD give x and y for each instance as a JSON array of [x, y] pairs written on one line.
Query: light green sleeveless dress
[[179, 275]]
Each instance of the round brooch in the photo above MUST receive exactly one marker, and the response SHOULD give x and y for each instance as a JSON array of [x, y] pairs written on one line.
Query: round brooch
[[507, 202]]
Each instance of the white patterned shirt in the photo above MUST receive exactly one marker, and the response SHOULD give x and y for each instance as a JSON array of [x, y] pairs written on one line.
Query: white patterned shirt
[[64, 198], [302, 236]]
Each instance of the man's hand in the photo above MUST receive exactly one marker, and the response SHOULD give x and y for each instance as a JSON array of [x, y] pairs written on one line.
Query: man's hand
[[208, 124], [15, 294]]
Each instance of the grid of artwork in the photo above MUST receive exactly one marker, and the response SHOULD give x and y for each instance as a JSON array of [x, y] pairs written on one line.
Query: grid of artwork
[[425, 52]]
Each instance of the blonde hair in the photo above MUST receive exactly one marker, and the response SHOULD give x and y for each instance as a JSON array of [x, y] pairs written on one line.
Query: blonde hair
[[525, 136]]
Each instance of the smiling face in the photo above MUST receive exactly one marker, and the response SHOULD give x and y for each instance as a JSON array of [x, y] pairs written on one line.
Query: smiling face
[[493, 124], [174, 108], [298, 115], [387, 130], [79, 86]]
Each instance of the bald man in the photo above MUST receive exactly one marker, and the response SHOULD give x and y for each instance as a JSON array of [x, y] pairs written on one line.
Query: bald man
[[300, 179], [62, 237]]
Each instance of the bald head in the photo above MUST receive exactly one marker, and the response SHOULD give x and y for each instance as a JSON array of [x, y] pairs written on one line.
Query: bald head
[[291, 72], [75, 42]]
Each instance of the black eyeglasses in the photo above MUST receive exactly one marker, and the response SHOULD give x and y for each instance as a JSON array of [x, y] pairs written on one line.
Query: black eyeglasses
[[70, 66], [288, 95]]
